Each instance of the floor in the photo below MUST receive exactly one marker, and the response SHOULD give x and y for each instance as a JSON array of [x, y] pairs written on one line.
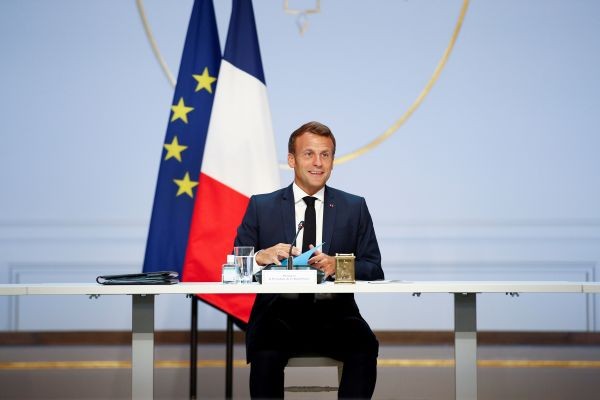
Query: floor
[[404, 372]]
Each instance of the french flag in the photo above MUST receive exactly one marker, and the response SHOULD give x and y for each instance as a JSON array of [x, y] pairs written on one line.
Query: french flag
[[239, 160]]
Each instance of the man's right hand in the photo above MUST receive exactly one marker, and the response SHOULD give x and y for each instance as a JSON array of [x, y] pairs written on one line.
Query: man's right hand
[[274, 255]]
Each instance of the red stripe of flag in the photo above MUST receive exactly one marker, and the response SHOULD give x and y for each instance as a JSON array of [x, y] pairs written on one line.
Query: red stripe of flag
[[217, 214]]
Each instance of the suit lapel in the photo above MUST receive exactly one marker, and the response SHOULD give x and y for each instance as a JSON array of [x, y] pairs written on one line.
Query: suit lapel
[[329, 214], [288, 214]]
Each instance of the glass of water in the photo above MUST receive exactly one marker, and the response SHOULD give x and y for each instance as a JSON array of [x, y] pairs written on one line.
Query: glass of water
[[244, 258]]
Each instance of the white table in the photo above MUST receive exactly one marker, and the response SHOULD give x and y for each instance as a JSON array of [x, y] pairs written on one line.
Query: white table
[[591, 287], [465, 312]]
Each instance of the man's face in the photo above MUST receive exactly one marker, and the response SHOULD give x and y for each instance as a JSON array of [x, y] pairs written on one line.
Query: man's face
[[312, 161]]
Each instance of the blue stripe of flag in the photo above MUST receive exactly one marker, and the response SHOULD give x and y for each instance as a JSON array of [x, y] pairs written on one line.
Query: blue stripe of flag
[[172, 214], [242, 49]]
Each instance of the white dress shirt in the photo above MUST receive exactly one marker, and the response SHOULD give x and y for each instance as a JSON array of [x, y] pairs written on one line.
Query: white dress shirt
[[300, 207]]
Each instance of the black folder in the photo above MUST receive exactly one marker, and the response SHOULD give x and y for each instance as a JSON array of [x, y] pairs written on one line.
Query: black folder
[[145, 278]]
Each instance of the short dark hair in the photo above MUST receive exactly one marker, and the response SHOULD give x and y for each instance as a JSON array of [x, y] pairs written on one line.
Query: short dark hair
[[314, 127]]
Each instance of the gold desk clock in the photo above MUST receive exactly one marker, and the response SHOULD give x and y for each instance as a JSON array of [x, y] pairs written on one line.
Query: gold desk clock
[[344, 268]]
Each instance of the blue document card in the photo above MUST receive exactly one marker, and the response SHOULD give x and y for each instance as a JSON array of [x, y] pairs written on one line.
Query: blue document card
[[303, 258]]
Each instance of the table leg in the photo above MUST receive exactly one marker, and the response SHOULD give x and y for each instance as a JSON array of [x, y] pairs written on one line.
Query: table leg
[[142, 347], [465, 345]]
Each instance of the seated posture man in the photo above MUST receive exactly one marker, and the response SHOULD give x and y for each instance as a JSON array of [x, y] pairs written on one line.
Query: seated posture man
[[283, 325]]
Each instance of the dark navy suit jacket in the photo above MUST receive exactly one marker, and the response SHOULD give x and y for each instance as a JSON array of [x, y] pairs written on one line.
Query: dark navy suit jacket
[[347, 228]]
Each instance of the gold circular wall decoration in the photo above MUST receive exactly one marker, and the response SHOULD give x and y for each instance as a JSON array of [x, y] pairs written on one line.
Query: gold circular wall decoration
[[434, 77], [379, 139], [155, 50]]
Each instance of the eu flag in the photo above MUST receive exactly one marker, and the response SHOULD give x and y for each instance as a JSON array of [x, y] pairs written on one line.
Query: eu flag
[[184, 142]]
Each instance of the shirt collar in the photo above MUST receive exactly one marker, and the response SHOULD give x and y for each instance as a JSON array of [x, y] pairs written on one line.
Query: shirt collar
[[299, 194]]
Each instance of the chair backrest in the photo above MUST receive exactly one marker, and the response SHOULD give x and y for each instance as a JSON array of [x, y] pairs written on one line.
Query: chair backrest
[[314, 361]]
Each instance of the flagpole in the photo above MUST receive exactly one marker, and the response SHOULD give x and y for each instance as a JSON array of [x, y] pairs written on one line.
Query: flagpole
[[194, 348], [229, 359]]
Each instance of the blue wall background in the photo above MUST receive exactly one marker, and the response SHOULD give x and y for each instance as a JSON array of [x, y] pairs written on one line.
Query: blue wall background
[[495, 176]]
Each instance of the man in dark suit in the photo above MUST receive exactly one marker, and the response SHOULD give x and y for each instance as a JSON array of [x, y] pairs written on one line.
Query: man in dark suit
[[282, 325]]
